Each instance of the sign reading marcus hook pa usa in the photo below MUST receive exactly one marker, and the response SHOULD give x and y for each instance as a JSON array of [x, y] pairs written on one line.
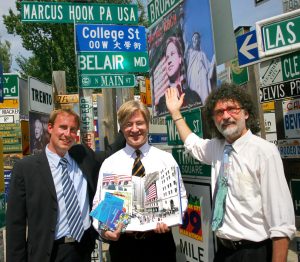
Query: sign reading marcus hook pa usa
[[65, 12]]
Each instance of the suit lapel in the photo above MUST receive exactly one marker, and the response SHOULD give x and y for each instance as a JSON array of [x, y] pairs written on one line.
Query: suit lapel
[[44, 168]]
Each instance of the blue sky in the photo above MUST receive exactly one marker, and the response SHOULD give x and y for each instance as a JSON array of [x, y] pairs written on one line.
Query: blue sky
[[245, 13]]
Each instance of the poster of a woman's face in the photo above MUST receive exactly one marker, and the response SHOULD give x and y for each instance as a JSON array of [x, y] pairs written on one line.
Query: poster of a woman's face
[[181, 55], [39, 136]]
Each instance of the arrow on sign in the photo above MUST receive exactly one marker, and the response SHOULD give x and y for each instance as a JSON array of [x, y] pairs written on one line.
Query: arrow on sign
[[246, 47]]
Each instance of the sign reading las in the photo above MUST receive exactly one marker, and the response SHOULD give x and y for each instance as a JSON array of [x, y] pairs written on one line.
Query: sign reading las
[[60, 12]]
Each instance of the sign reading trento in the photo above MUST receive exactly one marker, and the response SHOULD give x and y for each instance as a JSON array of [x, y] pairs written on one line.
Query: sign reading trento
[[110, 38]]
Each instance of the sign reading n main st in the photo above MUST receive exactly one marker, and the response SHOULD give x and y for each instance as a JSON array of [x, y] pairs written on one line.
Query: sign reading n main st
[[279, 34], [110, 38], [65, 12], [112, 62]]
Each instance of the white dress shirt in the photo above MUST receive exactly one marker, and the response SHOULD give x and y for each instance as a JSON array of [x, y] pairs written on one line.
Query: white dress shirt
[[258, 203], [121, 162]]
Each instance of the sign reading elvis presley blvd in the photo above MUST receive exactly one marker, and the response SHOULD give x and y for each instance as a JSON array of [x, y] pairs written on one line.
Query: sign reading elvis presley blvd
[[141, 202]]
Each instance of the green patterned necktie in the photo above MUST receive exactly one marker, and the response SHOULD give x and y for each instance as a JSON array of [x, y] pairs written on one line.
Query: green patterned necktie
[[221, 191]]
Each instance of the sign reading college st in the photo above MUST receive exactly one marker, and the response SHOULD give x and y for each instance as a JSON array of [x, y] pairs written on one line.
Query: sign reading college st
[[91, 37], [65, 12]]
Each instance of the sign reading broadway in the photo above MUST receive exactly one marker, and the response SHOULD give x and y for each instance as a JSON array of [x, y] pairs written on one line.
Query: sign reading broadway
[[279, 91], [112, 62], [60, 12]]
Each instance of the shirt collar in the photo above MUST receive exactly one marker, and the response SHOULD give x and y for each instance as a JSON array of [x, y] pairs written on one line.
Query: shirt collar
[[131, 151], [55, 158], [240, 142]]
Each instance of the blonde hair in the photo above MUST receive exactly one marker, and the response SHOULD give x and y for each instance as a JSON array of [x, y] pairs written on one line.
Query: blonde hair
[[128, 108]]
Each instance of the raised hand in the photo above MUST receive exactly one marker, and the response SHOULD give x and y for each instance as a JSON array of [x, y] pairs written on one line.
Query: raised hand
[[172, 101]]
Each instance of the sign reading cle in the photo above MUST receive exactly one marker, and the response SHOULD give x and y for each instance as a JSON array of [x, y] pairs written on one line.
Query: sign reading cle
[[279, 34], [65, 12]]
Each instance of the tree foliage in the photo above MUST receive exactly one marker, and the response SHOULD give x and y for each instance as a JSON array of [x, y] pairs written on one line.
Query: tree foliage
[[52, 45], [5, 55]]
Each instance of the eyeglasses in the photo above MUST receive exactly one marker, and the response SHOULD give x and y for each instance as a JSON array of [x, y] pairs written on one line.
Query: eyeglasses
[[229, 110]]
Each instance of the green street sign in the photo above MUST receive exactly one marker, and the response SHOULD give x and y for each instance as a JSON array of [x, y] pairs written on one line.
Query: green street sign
[[112, 62], [188, 165], [239, 75], [278, 34], [65, 12], [295, 191], [10, 85], [290, 66], [193, 120], [157, 9], [106, 81]]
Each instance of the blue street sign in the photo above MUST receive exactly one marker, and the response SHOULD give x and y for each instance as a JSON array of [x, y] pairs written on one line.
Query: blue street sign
[[158, 138], [110, 38], [1, 84], [247, 48]]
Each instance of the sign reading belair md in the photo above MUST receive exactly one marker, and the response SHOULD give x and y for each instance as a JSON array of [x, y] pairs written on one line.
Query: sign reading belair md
[[60, 12], [112, 62], [110, 38], [106, 81], [278, 34]]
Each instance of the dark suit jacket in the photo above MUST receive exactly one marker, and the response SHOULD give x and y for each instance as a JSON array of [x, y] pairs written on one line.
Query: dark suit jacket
[[33, 198]]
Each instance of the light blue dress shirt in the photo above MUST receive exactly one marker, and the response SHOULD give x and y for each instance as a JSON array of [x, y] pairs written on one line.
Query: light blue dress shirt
[[80, 184]]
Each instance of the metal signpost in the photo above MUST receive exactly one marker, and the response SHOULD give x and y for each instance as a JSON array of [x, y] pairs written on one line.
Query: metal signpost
[[65, 12]]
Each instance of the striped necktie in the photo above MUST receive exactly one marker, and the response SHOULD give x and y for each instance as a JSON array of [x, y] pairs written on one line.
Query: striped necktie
[[138, 168], [221, 190], [72, 205]]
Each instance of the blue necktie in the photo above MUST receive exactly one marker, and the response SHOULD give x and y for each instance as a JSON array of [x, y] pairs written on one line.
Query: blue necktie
[[72, 205], [221, 191]]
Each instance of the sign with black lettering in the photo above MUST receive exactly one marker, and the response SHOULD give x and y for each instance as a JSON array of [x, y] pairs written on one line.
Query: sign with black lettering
[[289, 148], [194, 238], [40, 96], [280, 91]]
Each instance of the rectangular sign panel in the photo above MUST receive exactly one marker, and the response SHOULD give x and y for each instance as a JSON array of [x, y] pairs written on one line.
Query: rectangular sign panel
[[295, 191], [10, 103], [65, 12], [291, 118], [280, 69], [1, 83], [106, 81], [289, 148], [40, 96], [194, 238], [193, 120], [110, 38], [279, 34], [188, 165], [112, 62], [279, 91], [10, 86], [156, 9]]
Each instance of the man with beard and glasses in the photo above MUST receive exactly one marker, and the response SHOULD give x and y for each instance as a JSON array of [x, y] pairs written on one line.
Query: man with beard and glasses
[[253, 215]]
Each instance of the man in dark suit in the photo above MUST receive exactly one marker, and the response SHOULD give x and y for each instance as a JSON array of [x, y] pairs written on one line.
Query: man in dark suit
[[37, 220]]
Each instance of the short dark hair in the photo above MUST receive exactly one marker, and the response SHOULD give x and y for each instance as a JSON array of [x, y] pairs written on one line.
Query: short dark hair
[[230, 92]]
